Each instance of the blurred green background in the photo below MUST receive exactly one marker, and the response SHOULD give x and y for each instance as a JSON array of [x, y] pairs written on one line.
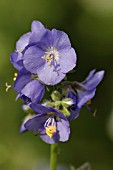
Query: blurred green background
[[89, 24]]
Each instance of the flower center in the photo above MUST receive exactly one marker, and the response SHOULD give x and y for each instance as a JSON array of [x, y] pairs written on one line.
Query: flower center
[[50, 130], [50, 127], [51, 55]]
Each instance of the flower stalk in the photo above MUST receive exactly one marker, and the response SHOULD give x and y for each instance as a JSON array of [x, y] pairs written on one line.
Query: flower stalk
[[53, 156]]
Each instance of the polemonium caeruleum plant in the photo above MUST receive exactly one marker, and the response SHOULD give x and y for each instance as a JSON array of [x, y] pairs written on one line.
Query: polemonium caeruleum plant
[[42, 59]]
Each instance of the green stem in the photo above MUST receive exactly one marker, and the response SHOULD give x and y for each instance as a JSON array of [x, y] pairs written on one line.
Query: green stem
[[53, 157]]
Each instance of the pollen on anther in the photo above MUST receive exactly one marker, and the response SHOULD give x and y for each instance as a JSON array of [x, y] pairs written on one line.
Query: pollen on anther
[[50, 130], [15, 76], [49, 58]]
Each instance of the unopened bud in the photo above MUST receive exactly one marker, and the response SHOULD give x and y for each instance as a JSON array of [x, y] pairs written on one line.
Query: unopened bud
[[55, 96], [66, 102], [65, 111]]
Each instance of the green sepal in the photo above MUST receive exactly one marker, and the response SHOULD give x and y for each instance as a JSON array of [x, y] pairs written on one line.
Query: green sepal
[[66, 102], [55, 96], [57, 104], [50, 104], [65, 111]]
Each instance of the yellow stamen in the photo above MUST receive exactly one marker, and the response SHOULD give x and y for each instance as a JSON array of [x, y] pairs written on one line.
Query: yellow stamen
[[48, 58], [50, 130], [15, 76], [88, 102]]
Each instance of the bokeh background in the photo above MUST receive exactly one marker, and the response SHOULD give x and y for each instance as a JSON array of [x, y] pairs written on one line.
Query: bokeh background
[[89, 24]]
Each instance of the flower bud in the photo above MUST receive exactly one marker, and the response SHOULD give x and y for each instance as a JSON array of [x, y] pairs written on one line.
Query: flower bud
[[65, 111], [66, 102], [55, 96]]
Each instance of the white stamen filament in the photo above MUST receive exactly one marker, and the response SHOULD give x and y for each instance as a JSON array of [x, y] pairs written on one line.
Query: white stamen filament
[[49, 122], [50, 127], [50, 54]]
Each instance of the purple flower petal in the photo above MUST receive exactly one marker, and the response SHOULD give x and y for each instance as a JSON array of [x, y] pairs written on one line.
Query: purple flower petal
[[33, 59], [40, 109], [38, 30], [23, 42], [47, 39], [22, 128], [90, 75], [57, 39], [67, 60], [37, 27], [63, 129], [49, 75], [36, 123], [16, 60], [49, 140], [94, 81], [84, 96], [22, 79], [60, 40], [34, 90]]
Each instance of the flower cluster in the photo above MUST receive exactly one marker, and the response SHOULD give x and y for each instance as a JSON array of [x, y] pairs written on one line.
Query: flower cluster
[[42, 59]]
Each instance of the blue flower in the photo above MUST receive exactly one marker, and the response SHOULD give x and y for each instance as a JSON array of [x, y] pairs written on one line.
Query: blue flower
[[51, 57], [83, 92], [16, 57], [28, 88], [74, 109], [50, 124]]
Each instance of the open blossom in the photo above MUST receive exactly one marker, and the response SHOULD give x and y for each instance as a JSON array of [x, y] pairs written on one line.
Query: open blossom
[[43, 57], [28, 89], [83, 92], [49, 123], [51, 58], [46, 53], [16, 57]]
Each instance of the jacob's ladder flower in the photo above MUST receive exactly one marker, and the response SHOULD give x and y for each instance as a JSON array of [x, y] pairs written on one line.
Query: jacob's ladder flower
[[49, 123]]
